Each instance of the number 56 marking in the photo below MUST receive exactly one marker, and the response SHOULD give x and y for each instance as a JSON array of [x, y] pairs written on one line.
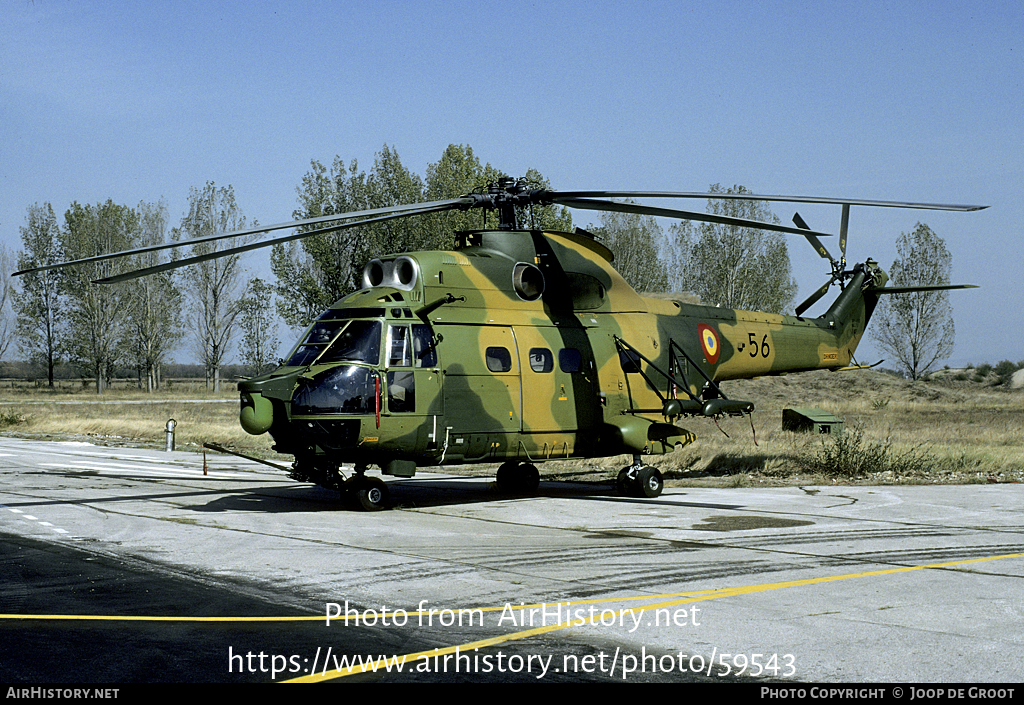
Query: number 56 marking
[[764, 349]]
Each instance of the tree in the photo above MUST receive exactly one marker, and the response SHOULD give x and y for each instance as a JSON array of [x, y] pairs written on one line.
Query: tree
[[316, 271], [917, 328], [7, 324], [96, 312], [634, 239], [734, 266], [455, 174], [213, 285], [154, 316], [259, 330], [40, 302]]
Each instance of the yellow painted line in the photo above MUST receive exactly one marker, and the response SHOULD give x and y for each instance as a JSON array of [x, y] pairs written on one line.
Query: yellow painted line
[[670, 600], [143, 618], [413, 658]]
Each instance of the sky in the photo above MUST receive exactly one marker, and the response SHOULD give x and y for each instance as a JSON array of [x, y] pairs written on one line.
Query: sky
[[905, 101]]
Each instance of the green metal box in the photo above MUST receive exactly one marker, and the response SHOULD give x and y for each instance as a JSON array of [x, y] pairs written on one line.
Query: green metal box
[[811, 421]]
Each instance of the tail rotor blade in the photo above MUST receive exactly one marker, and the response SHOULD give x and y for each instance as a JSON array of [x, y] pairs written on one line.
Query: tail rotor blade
[[813, 298]]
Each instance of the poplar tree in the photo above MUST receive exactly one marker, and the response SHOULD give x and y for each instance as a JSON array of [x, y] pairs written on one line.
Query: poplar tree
[[734, 266], [917, 327], [634, 240], [40, 300], [154, 325], [214, 286], [97, 312], [259, 344]]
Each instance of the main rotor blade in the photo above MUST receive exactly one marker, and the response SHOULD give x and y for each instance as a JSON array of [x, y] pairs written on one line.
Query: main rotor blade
[[815, 242], [558, 196], [813, 298], [399, 211], [434, 207], [912, 289], [639, 209], [844, 226]]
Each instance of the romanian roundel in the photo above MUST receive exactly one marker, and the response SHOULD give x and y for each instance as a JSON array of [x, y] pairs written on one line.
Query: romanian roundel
[[709, 342]]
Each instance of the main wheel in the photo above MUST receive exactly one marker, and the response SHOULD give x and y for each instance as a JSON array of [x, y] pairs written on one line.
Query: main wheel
[[530, 478], [372, 494], [517, 478], [506, 476], [649, 482]]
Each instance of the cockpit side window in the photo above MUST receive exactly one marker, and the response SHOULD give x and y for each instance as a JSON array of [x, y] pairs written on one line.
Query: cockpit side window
[[424, 349], [400, 347], [412, 346]]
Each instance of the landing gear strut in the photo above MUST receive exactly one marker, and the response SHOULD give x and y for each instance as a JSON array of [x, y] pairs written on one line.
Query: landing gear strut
[[639, 480], [518, 478]]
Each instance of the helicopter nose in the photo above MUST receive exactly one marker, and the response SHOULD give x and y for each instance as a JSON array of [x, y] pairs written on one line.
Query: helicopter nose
[[257, 413]]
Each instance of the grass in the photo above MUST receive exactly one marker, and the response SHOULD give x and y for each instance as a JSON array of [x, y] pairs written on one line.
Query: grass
[[129, 416]]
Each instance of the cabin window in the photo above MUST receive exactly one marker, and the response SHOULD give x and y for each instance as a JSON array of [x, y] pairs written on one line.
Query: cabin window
[[569, 360], [541, 360], [498, 359], [401, 391]]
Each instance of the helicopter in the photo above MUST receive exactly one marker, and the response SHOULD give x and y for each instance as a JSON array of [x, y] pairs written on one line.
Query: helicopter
[[520, 346]]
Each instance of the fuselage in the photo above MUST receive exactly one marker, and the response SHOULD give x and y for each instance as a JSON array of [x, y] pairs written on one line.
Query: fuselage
[[521, 345]]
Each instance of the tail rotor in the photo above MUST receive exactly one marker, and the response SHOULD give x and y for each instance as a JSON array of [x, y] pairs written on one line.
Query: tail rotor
[[839, 274]]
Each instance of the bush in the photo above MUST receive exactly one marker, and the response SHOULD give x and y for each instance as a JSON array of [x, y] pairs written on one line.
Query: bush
[[9, 417], [1004, 371], [848, 454]]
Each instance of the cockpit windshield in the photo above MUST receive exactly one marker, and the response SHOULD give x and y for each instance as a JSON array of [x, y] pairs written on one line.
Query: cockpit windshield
[[337, 341]]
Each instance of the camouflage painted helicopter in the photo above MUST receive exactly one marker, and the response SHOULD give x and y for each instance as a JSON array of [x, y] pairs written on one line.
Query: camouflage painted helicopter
[[520, 346]]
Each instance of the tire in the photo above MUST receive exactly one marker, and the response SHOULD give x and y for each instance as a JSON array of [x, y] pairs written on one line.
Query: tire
[[372, 494], [623, 484], [649, 482], [516, 478], [506, 477], [529, 478]]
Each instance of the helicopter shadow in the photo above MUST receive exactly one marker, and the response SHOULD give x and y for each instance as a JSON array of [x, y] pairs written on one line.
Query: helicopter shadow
[[433, 492]]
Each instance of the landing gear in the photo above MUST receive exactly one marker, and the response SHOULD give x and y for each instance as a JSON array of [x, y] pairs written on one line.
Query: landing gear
[[518, 478], [638, 480], [367, 493], [371, 493], [649, 482]]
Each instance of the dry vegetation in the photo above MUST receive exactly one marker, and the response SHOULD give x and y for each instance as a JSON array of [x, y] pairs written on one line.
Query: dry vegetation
[[952, 428], [941, 430], [125, 415]]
